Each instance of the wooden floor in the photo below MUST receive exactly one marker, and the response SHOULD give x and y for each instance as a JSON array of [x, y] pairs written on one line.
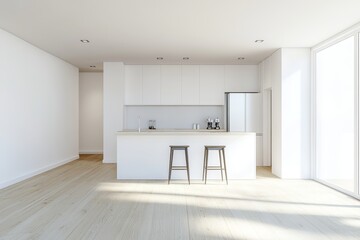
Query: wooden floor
[[83, 200]]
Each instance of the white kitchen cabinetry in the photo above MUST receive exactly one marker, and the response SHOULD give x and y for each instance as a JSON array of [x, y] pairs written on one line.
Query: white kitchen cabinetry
[[133, 85], [190, 85], [187, 84], [212, 85], [170, 85], [151, 86], [241, 78]]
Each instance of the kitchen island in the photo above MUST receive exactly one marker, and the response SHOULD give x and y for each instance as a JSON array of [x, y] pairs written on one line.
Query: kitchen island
[[145, 155]]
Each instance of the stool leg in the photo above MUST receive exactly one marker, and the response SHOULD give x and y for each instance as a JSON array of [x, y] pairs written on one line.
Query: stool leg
[[170, 164], [223, 152], [203, 176], [206, 163], [187, 164], [221, 166]]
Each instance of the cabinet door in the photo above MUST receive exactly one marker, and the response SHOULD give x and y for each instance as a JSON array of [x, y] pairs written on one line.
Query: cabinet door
[[133, 84], [190, 85], [151, 84], [212, 85], [242, 78], [254, 112], [170, 85]]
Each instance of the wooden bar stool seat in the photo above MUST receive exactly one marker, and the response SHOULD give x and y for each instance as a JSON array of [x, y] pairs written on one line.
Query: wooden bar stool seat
[[186, 167], [221, 167]]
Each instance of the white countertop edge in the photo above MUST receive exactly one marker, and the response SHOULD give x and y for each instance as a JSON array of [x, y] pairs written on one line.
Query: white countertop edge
[[183, 133]]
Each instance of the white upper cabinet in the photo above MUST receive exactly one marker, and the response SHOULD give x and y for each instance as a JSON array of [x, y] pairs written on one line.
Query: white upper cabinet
[[151, 86], [170, 85], [133, 85], [190, 85], [242, 78], [212, 85], [187, 84]]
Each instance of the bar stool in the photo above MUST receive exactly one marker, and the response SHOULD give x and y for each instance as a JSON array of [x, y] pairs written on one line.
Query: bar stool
[[222, 168], [171, 167]]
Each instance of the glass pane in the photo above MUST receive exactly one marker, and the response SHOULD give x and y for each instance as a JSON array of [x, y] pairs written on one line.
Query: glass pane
[[335, 97]]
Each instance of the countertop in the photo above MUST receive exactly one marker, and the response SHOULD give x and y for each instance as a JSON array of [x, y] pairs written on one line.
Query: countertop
[[179, 131]]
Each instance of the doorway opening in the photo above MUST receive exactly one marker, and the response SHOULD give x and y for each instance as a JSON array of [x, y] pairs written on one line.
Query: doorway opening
[[264, 167]]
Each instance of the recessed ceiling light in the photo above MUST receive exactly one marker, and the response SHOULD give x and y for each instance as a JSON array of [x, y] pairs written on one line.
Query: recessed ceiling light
[[159, 58], [259, 41], [84, 41], [186, 58], [241, 58], [92, 66]]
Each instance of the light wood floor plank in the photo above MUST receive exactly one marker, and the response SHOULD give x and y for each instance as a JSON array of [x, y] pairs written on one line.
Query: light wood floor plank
[[83, 200]]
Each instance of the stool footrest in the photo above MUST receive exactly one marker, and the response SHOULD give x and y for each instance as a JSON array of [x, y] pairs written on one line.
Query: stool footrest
[[214, 168], [179, 168]]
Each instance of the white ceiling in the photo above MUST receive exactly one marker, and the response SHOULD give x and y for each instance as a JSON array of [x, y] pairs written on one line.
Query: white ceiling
[[207, 31]]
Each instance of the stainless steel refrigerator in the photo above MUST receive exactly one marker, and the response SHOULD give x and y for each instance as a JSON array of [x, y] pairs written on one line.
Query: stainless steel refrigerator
[[244, 112]]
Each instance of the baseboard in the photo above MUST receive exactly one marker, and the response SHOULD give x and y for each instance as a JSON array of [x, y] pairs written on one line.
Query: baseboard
[[91, 152], [107, 161], [37, 172]]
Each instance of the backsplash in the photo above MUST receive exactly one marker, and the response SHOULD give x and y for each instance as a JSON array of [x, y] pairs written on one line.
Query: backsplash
[[171, 117]]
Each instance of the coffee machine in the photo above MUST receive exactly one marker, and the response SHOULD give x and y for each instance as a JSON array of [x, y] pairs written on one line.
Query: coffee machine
[[213, 124], [217, 123], [209, 123]]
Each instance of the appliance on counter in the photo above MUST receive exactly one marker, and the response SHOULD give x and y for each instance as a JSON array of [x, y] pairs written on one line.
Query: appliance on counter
[[244, 112], [152, 124], [209, 123], [213, 124], [217, 123], [196, 126]]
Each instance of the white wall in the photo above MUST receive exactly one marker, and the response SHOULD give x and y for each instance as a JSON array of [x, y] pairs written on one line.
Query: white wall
[[276, 123], [38, 108], [286, 73], [91, 112], [169, 117], [295, 113], [113, 85]]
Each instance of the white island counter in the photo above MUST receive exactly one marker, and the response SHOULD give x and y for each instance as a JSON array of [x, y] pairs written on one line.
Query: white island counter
[[145, 155]]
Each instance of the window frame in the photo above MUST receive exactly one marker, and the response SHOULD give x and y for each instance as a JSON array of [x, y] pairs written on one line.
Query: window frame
[[351, 32]]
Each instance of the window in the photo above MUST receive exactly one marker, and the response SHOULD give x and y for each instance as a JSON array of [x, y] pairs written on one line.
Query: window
[[335, 115]]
